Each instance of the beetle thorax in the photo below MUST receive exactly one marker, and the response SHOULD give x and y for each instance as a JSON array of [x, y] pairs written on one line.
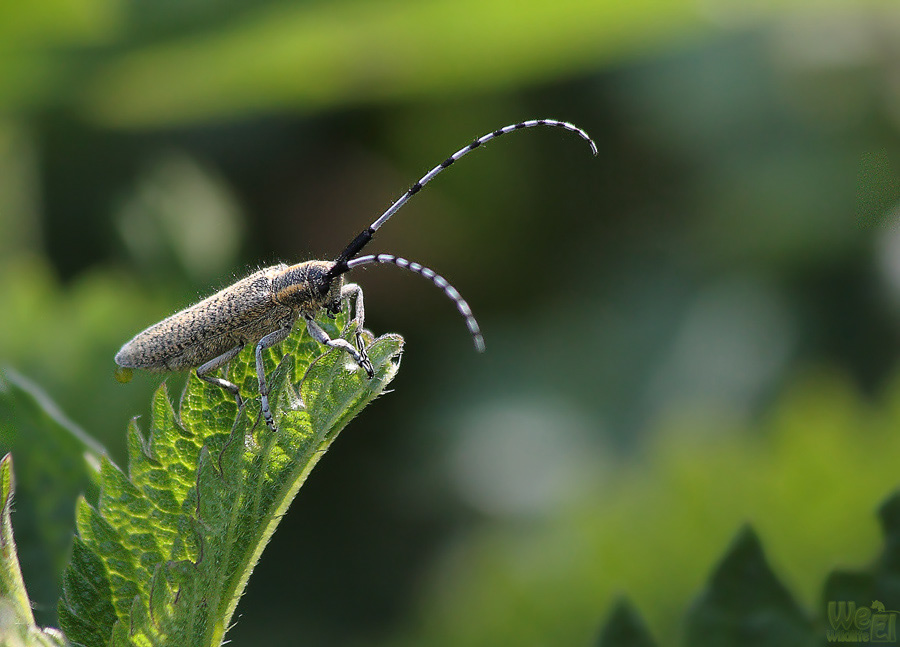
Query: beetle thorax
[[305, 287]]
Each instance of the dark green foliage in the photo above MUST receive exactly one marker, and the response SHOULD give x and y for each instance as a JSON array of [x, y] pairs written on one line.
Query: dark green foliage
[[624, 628], [745, 604], [878, 585], [17, 627], [53, 458]]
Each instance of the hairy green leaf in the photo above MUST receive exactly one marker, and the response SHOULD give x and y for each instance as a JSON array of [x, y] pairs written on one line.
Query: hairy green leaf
[[164, 556], [12, 588]]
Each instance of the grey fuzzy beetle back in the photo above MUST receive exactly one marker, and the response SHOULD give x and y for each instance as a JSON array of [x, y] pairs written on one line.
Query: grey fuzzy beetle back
[[239, 314]]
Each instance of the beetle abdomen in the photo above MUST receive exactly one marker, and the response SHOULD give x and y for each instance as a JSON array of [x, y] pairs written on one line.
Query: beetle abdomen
[[240, 314]]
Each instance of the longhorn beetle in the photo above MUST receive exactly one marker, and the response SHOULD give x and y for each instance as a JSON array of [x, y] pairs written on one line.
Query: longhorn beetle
[[262, 308]]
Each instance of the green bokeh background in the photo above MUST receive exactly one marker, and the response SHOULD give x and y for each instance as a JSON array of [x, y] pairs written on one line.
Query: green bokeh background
[[694, 330]]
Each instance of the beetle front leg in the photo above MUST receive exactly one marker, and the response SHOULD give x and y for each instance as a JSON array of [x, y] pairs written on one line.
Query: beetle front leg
[[359, 312], [359, 356], [269, 340]]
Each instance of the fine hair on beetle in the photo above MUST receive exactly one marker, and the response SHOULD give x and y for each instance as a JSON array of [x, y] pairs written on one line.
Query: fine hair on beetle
[[262, 308]]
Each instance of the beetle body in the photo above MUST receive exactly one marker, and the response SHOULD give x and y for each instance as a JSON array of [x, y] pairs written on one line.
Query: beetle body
[[262, 308], [264, 302]]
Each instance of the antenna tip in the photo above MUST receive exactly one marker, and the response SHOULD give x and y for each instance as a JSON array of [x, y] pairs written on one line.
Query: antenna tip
[[479, 343], [581, 133]]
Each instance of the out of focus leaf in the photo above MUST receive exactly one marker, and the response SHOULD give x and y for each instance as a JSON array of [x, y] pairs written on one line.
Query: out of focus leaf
[[852, 598], [64, 337], [745, 605], [31, 34], [624, 628], [54, 460], [17, 627], [314, 56]]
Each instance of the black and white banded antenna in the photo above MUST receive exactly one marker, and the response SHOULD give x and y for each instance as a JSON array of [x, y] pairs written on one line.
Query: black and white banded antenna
[[437, 279], [345, 261]]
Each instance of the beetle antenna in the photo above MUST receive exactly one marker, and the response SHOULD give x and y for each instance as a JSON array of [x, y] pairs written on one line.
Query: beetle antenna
[[341, 264], [435, 278]]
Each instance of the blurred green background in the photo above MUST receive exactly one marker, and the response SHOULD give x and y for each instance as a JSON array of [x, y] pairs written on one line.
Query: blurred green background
[[696, 329]]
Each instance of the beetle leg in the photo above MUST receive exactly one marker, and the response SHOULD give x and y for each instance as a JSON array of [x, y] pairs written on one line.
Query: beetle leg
[[359, 356], [203, 372], [269, 340], [353, 290]]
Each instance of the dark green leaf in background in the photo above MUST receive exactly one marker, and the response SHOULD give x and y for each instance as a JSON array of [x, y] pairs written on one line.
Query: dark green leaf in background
[[745, 604], [878, 585], [17, 626], [625, 628], [56, 462]]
